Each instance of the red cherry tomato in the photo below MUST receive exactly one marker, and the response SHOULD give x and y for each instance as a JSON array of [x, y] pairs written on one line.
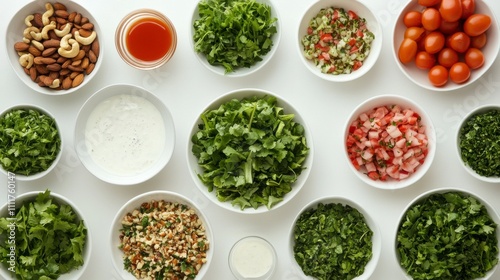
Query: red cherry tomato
[[478, 41], [431, 19], [459, 41], [414, 33], [459, 72], [407, 50], [425, 60], [468, 8], [438, 75], [476, 24], [428, 3], [449, 27], [413, 19], [474, 58], [447, 57], [450, 10], [434, 42]]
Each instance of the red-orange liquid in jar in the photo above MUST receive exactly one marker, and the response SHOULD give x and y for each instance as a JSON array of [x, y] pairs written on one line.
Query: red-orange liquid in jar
[[149, 39]]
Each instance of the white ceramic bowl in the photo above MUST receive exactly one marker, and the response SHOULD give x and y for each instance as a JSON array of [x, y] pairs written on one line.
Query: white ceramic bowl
[[242, 71], [376, 238], [252, 258], [59, 199], [479, 110], [194, 168], [403, 102], [420, 77], [135, 203], [58, 157], [15, 34], [86, 137], [491, 211], [363, 11]]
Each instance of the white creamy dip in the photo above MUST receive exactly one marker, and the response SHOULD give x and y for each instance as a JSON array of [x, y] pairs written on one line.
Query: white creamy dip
[[252, 258], [125, 134]]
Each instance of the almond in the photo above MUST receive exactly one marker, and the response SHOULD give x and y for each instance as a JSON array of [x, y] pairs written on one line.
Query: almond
[[41, 69], [52, 43], [61, 13], [59, 6], [84, 20], [89, 68], [64, 72], [33, 73], [85, 63], [79, 56], [85, 32], [66, 83], [78, 18], [49, 52], [44, 60], [54, 67], [21, 46], [37, 20], [88, 26], [34, 51], [71, 17], [92, 56], [96, 47], [77, 80]]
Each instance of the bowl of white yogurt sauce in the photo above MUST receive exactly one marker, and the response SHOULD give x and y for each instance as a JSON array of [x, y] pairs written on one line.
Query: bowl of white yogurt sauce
[[124, 134], [252, 257]]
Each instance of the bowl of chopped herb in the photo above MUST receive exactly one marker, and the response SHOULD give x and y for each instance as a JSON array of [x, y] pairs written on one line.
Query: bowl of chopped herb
[[235, 38], [448, 233], [43, 235], [161, 235], [250, 151], [344, 237], [339, 40], [477, 137], [31, 142]]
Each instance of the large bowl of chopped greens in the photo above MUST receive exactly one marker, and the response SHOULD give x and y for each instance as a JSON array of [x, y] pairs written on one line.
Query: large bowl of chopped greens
[[250, 151], [31, 142], [334, 238], [339, 40], [390, 142], [448, 233], [235, 38], [161, 235], [477, 137], [43, 235]]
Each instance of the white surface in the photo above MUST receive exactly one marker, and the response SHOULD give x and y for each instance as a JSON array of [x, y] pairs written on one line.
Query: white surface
[[187, 87]]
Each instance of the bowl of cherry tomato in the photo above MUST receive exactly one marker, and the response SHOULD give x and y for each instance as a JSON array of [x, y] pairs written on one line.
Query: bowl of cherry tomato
[[444, 45]]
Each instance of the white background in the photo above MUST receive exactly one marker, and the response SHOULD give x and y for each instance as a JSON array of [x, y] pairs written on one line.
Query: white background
[[186, 88]]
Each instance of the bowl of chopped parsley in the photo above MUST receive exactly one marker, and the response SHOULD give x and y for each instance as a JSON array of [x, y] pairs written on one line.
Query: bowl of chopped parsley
[[43, 236], [339, 40], [478, 143], [250, 151], [235, 38], [334, 238], [448, 233], [30, 142]]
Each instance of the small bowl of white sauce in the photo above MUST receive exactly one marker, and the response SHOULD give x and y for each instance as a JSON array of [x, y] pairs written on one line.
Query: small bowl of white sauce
[[124, 134], [252, 257]]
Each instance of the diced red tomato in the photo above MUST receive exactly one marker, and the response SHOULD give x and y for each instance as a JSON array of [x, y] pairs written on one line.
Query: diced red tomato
[[357, 65], [352, 15]]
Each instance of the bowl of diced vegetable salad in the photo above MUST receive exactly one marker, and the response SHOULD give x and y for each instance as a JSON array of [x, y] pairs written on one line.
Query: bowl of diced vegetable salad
[[477, 137], [390, 142], [250, 151], [443, 47], [334, 238], [43, 235], [448, 233], [235, 38], [161, 235], [31, 142], [339, 40]]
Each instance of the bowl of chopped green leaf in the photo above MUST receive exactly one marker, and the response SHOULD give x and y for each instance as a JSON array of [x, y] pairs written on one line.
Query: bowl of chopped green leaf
[[235, 38], [250, 151], [338, 40], [334, 238], [43, 235], [31, 142], [448, 233], [478, 136]]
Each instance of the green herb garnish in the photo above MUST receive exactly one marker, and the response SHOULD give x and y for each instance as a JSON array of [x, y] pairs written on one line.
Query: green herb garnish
[[332, 241], [233, 33], [29, 141], [480, 143], [49, 239], [447, 236], [250, 151]]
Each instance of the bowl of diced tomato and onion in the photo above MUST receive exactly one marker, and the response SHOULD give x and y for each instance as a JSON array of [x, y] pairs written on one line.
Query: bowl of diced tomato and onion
[[444, 45], [390, 141], [339, 40]]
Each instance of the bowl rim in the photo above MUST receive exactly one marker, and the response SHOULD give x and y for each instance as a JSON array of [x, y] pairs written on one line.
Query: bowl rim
[[242, 93], [430, 132], [266, 243], [44, 111], [134, 203], [478, 110]]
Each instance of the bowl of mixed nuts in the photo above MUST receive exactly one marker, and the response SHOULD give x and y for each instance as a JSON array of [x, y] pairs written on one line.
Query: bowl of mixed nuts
[[54, 47], [161, 235]]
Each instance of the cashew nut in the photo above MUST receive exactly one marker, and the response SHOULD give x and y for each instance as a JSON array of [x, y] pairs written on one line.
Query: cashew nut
[[26, 40], [36, 35], [64, 41], [64, 31], [26, 60], [27, 32], [28, 20], [38, 45], [85, 40], [55, 83], [72, 51], [48, 13], [47, 28]]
